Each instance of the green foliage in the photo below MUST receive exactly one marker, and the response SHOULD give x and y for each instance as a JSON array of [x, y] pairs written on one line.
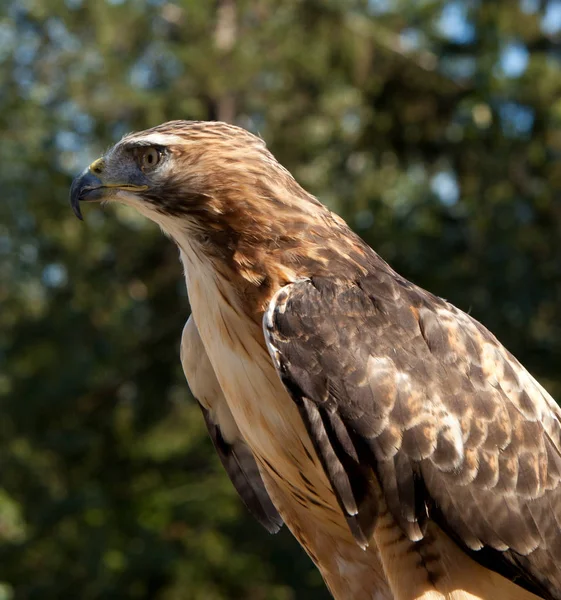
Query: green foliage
[[434, 127]]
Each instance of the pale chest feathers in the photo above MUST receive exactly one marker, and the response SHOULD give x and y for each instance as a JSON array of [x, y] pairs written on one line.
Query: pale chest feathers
[[265, 414]]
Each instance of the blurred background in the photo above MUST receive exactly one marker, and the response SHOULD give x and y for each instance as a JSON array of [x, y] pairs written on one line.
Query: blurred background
[[432, 126]]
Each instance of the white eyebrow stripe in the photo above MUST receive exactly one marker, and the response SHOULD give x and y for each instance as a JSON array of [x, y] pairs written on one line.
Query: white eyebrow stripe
[[156, 139]]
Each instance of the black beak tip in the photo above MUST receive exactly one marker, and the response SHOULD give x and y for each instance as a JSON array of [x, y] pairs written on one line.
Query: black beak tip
[[85, 182], [77, 211], [75, 193]]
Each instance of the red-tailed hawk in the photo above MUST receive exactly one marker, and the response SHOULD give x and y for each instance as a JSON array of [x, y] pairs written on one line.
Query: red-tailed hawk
[[411, 455]]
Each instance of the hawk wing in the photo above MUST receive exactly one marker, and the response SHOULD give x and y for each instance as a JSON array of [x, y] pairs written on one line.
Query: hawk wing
[[234, 453], [456, 430]]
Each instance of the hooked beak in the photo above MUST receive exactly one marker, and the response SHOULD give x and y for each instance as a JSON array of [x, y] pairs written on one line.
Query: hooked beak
[[86, 186], [89, 187]]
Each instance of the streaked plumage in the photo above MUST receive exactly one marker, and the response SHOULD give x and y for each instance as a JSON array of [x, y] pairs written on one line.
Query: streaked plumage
[[410, 454]]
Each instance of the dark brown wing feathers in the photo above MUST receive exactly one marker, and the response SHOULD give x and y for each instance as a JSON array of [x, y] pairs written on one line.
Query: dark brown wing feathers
[[395, 381], [242, 469]]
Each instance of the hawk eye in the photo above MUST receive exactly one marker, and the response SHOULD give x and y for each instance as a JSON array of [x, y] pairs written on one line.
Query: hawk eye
[[148, 158]]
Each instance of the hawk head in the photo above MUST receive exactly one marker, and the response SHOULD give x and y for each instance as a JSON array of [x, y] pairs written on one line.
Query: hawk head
[[216, 187], [196, 170]]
